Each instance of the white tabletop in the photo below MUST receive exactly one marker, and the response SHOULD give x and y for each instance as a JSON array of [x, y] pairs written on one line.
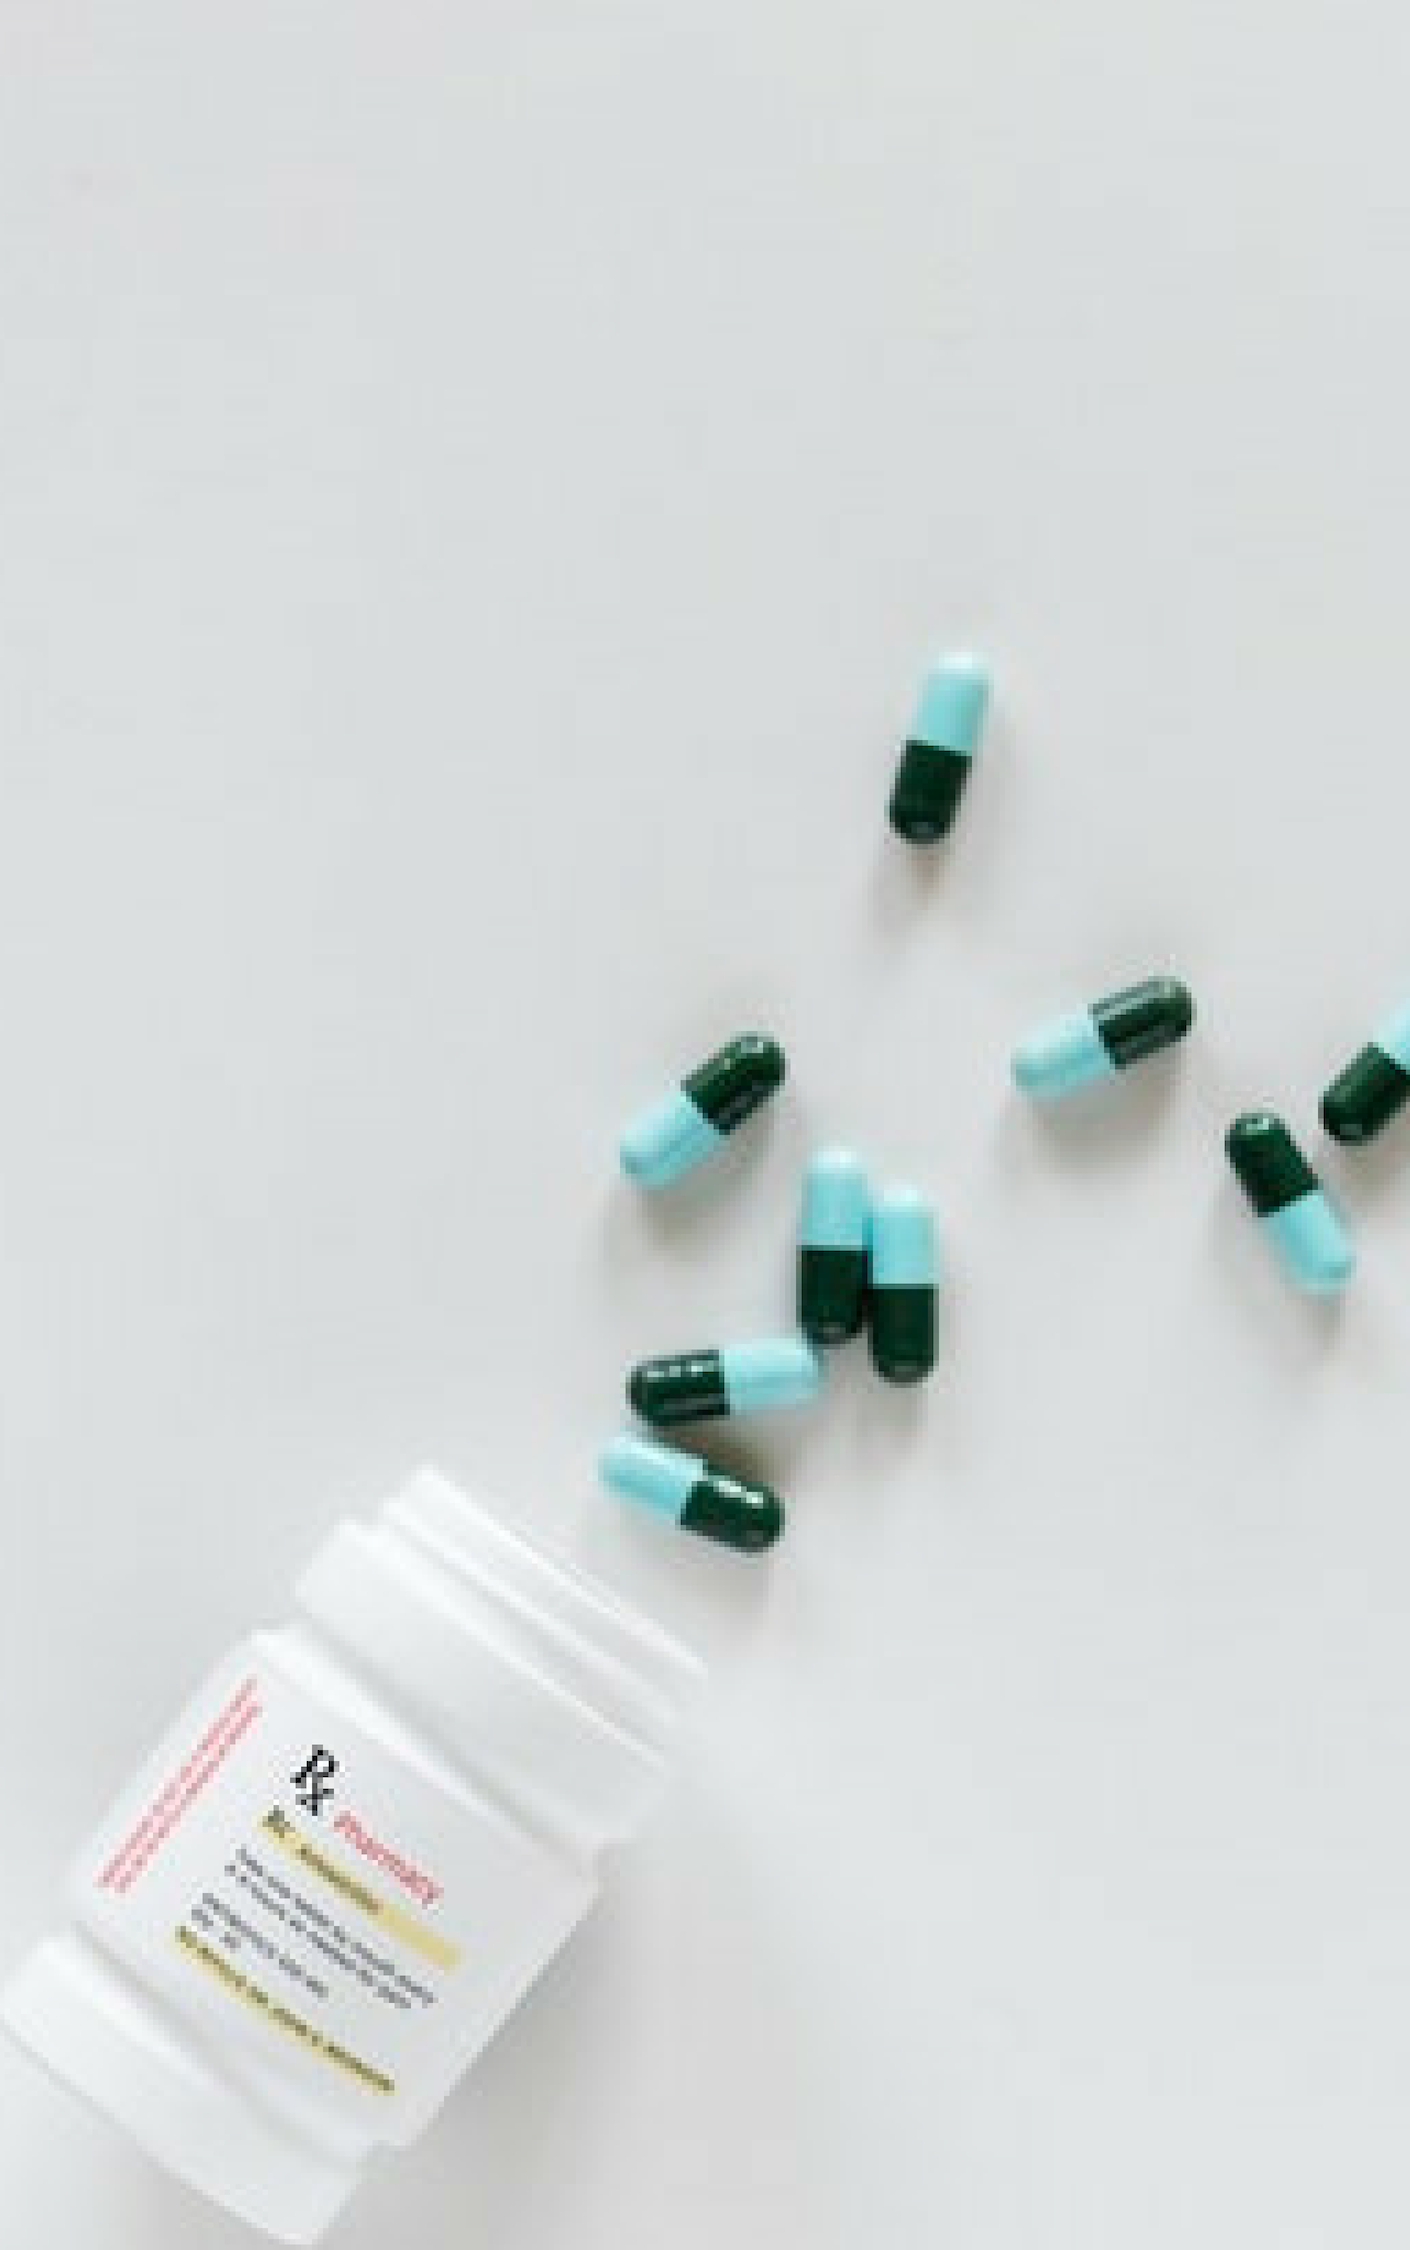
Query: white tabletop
[[481, 485]]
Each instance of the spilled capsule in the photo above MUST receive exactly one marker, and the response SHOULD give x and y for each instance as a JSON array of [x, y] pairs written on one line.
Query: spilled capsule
[[904, 1279], [1093, 1042], [833, 1236], [688, 1124], [745, 1378], [689, 1492], [939, 750], [1374, 1084], [1288, 1197]]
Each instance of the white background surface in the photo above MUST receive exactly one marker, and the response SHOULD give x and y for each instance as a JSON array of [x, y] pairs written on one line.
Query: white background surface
[[479, 486]]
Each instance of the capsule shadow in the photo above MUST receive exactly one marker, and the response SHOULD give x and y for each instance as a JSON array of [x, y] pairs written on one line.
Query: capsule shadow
[[904, 878], [891, 1427], [765, 1449], [1112, 1121], [889, 1420], [714, 1596], [1375, 1174], [669, 1222]]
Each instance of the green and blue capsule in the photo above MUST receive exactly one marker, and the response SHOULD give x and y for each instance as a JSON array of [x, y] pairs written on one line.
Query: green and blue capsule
[[687, 1491], [749, 1378], [1290, 1202], [904, 1285], [691, 1121], [834, 1238], [1093, 1043], [940, 748], [1373, 1086]]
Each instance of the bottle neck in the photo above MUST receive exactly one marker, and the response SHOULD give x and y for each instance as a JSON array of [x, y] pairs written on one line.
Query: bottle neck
[[530, 1681]]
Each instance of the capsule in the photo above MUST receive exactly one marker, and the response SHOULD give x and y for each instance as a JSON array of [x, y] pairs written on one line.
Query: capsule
[[1287, 1195], [1372, 1087], [935, 763], [689, 1492], [1091, 1043], [905, 1274], [688, 1124], [747, 1378], [833, 1240]]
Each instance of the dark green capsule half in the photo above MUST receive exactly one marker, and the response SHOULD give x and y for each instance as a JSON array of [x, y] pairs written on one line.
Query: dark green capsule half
[[1143, 1019], [731, 1085], [940, 745], [834, 1246], [1268, 1164], [737, 1514], [1365, 1097], [832, 1293], [689, 1387], [928, 786], [745, 1378], [903, 1332]]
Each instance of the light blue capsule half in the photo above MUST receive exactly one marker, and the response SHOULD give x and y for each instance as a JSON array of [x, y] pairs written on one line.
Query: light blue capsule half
[[658, 1475], [770, 1371], [668, 1139], [1063, 1055], [905, 1248], [836, 1202], [950, 708], [1393, 1038], [1311, 1241]]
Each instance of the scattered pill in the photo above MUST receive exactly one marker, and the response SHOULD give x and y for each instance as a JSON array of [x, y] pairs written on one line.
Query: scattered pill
[[1289, 1199], [833, 1240], [1094, 1042], [692, 1494], [738, 1379], [905, 1272], [944, 736], [1372, 1087], [686, 1125]]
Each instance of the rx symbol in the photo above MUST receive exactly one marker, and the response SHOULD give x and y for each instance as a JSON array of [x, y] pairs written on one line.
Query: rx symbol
[[313, 1783]]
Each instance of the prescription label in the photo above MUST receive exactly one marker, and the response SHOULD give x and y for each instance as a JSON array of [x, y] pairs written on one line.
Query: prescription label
[[363, 1926]]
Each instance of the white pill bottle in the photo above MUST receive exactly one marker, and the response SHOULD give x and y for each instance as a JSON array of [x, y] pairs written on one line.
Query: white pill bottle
[[351, 1855]]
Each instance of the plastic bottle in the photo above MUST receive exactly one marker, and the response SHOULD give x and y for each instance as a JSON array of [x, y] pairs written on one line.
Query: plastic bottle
[[351, 1855]]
